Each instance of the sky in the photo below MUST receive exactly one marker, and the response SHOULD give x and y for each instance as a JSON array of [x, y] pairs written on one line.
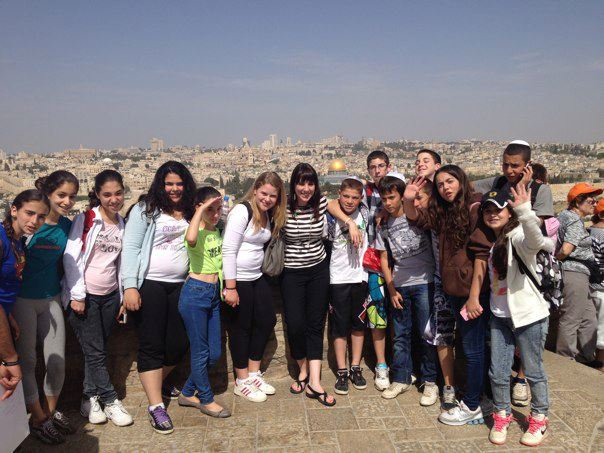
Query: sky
[[117, 73]]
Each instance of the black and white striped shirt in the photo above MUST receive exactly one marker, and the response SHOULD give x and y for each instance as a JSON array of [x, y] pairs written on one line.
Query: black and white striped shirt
[[303, 235]]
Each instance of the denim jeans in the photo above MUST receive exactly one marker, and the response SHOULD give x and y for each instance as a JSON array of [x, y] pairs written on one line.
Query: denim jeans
[[199, 306], [504, 339], [415, 314], [92, 330], [473, 341]]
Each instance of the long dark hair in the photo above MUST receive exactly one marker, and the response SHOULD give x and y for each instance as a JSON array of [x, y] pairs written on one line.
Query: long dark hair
[[500, 248], [452, 218], [99, 180], [157, 197], [302, 173], [48, 184], [24, 197]]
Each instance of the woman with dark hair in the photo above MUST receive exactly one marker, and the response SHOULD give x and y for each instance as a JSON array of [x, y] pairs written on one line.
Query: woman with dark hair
[[92, 294], [154, 267], [26, 215], [519, 311], [578, 319], [38, 309], [463, 251], [305, 280]]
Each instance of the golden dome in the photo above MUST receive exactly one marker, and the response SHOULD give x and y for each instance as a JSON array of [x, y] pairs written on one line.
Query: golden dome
[[337, 165]]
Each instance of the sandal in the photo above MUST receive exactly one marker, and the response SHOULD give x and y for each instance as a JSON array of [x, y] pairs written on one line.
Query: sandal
[[301, 383], [317, 396]]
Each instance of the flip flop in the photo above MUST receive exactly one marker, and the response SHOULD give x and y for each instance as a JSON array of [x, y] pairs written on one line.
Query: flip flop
[[301, 383], [317, 396]]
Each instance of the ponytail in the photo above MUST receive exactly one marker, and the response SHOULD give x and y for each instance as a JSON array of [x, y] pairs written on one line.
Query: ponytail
[[99, 180], [48, 184]]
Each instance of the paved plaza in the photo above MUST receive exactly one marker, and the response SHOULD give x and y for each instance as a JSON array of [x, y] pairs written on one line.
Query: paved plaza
[[361, 421]]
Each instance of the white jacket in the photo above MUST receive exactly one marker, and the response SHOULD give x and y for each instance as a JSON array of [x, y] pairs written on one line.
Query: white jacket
[[525, 301], [77, 253]]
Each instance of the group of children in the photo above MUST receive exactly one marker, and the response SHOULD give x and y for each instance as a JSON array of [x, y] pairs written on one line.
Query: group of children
[[429, 255]]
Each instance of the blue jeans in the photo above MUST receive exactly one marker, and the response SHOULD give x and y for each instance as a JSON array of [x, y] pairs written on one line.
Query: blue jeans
[[417, 306], [92, 330], [473, 341], [529, 339], [199, 306]]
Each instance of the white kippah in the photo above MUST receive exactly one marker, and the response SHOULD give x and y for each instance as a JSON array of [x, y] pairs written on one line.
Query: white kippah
[[519, 142], [397, 175]]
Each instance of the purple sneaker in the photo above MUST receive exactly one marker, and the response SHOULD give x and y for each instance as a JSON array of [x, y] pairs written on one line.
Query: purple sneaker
[[160, 420]]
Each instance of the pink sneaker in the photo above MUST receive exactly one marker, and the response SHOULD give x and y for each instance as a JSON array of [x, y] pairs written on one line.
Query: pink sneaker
[[536, 432], [499, 431]]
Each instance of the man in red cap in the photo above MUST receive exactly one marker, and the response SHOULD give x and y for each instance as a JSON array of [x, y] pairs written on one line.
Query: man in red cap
[[577, 325]]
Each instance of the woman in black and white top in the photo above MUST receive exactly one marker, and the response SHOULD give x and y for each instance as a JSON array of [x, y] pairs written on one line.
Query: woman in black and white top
[[305, 280], [247, 292]]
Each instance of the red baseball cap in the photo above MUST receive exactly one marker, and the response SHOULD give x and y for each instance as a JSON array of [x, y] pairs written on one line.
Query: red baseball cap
[[582, 188], [599, 207]]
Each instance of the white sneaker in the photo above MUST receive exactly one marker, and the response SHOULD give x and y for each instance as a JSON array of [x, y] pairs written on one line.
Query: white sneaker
[[395, 389], [261, 384], [430, 395], [461, 415], [520, 394], [536, 432], [117, 413], [382, 379], [96, 414], [499, 431], [249, 391], [85, 407]]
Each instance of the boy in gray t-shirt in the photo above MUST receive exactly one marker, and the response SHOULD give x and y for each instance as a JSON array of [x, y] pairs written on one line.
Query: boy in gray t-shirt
[[410, 286]]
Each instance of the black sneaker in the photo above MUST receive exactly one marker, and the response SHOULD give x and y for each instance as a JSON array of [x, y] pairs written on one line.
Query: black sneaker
[[47, 433], [62, 423], [341, 387], [160, 420], [356, 377], [169, 391]]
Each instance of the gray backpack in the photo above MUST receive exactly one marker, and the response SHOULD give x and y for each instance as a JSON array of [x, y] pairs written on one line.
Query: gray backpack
[[274, 250]]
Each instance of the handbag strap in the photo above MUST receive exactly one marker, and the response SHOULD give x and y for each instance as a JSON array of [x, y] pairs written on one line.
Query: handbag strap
[[525, 270]]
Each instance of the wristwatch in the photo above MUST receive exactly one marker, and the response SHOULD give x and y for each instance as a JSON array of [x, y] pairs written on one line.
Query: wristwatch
[[3, 363]]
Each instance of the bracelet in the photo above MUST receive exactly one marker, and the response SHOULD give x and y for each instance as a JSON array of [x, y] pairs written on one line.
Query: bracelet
[[10, 363], [230, 289]]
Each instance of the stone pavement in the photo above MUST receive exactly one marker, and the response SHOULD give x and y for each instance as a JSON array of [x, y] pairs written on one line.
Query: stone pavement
[[361, 421]]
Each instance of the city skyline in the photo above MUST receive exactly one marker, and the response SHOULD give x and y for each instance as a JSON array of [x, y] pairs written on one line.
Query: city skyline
[[116, 74]]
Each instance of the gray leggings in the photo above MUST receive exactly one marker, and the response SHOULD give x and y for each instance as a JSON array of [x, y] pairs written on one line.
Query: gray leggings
[[43, 319]]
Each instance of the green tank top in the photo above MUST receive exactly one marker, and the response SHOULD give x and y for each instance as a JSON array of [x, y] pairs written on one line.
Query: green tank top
[[206, 256]]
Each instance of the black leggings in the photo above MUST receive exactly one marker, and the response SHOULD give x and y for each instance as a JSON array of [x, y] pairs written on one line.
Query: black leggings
[[252, 321], [162, 337], [305, 304]]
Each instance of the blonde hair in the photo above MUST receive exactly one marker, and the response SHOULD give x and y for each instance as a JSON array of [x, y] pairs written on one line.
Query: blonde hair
[[277, 212]]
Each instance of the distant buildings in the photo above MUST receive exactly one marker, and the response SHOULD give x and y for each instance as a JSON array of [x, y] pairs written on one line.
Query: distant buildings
[[157, 144], [336, 173]]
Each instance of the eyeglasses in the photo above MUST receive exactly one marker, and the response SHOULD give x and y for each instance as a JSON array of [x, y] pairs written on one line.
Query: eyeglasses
[[591, 200]]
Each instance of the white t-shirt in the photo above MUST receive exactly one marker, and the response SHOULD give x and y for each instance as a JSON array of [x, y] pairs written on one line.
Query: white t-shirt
[[169, 261], [346, 265], [100, 274], [243, 247], [499, 292]]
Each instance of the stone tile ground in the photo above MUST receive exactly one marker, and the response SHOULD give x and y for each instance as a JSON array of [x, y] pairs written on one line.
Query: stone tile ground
[[360, 422]]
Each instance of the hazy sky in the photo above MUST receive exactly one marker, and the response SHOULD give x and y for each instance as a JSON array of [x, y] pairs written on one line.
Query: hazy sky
[[116, 73]]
